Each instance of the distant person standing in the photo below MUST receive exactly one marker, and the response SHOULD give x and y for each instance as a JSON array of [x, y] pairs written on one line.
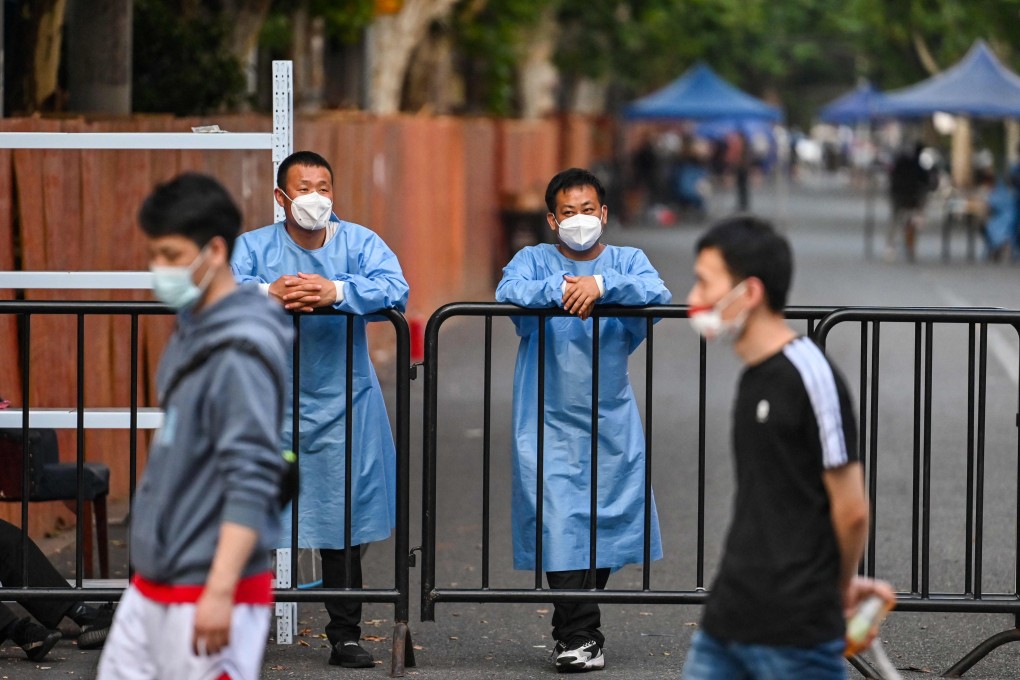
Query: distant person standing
[[909, 182], [645, 173], [1014, 184], [800, 520], [206, 514]]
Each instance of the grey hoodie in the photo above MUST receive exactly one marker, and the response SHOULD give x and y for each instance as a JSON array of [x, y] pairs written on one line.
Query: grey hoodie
[[217, 457]]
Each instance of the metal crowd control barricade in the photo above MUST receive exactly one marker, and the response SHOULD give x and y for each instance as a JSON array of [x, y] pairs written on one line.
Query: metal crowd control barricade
[[79, 419], [402, 652], [135, 418], [971, 597], [431, 594]]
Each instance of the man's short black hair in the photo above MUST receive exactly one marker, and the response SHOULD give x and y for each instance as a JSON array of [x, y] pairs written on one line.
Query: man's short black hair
[[307, 158], [568, 179], [192, 205], [750, 246]]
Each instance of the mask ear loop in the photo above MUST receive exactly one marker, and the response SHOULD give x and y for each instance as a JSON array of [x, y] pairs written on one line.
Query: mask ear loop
[[726, 300], [194, 266]]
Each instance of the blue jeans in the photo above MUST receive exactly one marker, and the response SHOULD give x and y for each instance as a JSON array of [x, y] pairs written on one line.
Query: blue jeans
[[712, 659]]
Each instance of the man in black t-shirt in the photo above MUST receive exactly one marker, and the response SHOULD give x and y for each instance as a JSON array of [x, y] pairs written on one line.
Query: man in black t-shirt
[[788, 573]]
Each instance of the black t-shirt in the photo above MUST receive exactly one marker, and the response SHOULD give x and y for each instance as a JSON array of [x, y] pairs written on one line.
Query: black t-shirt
[[778, 583]]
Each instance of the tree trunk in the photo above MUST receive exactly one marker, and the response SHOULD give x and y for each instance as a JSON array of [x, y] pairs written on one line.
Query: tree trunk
[[392, 39], [46, 33], [247, 19], [99, 56], [309, 53], [537, 75]]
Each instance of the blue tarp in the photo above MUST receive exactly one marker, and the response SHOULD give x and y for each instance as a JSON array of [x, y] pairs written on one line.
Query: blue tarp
[[700, 94], [978, 85], [858, 105]]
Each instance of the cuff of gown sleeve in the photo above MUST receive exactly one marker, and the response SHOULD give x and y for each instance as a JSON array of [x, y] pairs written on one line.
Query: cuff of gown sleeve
[[264, 287], [339, 291], [601, 284]]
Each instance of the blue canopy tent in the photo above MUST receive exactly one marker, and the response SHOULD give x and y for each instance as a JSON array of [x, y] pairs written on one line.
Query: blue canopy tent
[[700, 94], [857, 106], [978, 85]]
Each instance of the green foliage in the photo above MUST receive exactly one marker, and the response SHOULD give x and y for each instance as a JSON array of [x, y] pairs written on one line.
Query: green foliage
[[181, 64], [488, 34], [345, 21], [803, 51]]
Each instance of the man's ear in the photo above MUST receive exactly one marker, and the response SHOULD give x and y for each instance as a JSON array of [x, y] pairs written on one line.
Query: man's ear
[[551, 219], [218, 250], [278, 195], [755, 290]]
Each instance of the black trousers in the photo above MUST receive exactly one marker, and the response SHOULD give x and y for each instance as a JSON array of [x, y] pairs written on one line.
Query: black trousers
[[40, 573], [344, 615], [577, 618]]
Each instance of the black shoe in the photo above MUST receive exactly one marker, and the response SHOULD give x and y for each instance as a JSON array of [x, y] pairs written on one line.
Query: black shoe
[[580, 655], [95, 625], [350, 655], [36, 640]]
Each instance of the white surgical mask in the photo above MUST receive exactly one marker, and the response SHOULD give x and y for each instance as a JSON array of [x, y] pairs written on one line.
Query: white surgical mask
[[173, 285], [708, 321], [580, 232], [311, 211]]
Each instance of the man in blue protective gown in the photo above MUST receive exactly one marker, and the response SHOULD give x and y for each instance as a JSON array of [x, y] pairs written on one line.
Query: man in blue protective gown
[[313, 259], [577, 273]]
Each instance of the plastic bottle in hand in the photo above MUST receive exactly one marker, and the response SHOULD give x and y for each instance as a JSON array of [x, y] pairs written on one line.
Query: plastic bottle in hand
[[864, 623]]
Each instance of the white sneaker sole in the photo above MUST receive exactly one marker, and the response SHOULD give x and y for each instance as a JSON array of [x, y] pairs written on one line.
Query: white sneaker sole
[[578, 666]]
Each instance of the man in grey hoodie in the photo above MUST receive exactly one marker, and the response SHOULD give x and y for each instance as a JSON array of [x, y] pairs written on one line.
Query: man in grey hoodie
[[206, 512]]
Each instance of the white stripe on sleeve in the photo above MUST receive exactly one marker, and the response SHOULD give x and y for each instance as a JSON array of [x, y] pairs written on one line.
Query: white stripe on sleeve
[[820, 384]]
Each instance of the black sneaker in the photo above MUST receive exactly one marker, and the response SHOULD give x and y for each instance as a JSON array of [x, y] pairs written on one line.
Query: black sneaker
[[580, 655], [36, 640], [350, 655], [95, 624], [556, 651]]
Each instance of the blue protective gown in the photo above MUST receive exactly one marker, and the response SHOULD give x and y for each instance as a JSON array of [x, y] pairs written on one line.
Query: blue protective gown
[[1000, 229], [534, 278], [373, 281]]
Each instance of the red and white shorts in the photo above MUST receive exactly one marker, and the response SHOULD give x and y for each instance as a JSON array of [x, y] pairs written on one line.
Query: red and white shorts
[[151, 637]]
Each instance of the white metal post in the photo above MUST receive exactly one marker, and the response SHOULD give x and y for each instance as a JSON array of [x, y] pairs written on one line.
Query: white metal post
[[283, 120], [283, 146]]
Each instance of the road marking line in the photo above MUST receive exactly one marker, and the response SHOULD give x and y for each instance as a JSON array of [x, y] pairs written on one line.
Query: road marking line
[[998, 342]]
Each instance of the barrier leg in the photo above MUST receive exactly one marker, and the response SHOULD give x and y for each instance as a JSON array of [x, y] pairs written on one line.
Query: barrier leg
[[981, 651], [403, 650], [865, 668]]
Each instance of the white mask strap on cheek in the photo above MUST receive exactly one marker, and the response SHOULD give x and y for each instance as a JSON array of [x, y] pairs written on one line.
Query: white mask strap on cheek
[[726, 300]]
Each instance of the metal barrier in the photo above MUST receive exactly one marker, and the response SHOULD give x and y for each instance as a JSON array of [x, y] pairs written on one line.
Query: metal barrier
[[432, 594], [971, 596], [820, 322], [402, 649]]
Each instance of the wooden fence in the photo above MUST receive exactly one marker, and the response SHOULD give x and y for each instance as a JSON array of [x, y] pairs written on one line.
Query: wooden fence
[[430, 187]]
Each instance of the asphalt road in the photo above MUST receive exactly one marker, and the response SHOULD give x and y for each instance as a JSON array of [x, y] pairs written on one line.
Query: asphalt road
[[823, 217]]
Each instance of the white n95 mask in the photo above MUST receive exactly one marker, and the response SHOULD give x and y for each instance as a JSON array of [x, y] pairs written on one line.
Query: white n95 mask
[[708, 321], [173, 285], [311, 211], [580, 232]]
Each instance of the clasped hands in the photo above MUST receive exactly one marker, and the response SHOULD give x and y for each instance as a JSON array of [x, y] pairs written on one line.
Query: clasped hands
[[580, 293], [304, 292]]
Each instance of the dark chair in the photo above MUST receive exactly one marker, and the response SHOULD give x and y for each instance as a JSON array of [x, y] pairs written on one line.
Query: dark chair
[[51, 480]]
